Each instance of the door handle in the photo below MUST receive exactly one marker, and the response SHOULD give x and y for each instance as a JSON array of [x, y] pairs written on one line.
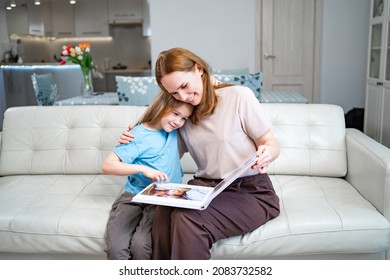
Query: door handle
[[267, 56]]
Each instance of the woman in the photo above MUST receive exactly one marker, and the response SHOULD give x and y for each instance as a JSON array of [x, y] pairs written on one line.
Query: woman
[[227, 126]]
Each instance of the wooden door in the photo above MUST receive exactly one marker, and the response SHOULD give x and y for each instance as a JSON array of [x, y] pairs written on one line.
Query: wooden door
[[288, 35]]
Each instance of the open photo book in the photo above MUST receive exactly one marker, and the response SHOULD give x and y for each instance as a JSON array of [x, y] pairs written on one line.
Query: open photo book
[[188, 196]]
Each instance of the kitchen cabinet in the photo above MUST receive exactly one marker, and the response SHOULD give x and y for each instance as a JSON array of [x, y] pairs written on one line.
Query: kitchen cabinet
[[120, 12], [377, 104], [30, 19], [40, 19], [63, 19], [91, 18], [17, 20]]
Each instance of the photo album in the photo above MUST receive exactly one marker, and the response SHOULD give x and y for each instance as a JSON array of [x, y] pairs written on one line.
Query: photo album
[[188, 196]]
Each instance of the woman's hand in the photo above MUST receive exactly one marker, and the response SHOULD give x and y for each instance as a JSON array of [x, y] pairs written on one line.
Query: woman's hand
[[126, 136], [265, 155], [268, 150]]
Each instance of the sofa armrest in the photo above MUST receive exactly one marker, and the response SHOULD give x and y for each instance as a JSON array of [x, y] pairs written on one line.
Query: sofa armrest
[[369, 169]]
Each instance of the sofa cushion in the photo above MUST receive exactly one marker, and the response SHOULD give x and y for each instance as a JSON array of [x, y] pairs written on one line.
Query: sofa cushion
[[56, 213], [319, 216], [67, 214], [136, 91]]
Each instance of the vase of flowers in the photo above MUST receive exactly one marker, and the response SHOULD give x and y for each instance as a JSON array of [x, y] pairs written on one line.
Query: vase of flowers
[[80, 55]]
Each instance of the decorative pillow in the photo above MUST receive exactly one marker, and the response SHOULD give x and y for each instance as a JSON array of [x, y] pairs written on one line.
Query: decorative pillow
[[237, 71], [45, 88], [136, 91], [253, 81]]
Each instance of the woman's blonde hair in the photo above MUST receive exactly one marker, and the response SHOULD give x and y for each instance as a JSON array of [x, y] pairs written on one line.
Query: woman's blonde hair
[[160, 106], [179, 59]]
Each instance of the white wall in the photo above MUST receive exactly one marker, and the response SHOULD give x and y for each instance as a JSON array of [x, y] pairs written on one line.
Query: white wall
[[223, 33], [344, 52], [220, 31]]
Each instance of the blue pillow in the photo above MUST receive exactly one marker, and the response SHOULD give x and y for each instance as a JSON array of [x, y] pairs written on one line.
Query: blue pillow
[[136, 91], [253, 81]]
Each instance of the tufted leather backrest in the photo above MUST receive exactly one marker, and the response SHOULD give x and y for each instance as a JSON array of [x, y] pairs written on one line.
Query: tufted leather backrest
[[76, 139], [311, 138], [61, 139]]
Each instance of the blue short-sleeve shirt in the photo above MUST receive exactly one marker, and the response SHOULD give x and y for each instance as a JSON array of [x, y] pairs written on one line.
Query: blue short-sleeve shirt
[[154, 148]]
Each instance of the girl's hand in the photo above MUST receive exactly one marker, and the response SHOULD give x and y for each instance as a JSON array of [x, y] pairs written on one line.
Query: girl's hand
[[214, 81], [155, 175], [265, 155]]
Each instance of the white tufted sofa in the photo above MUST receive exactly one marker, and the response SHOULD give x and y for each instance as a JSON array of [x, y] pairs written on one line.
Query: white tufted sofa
[[333, 184]]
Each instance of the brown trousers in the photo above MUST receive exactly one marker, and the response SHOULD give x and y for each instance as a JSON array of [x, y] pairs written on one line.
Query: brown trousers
[[129, 229], [179, 233]]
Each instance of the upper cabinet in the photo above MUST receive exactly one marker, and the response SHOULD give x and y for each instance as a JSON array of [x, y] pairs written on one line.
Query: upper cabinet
[[88, 18], [30, 19], [91, 18], [121, 12], [17, 20], [63, 19]]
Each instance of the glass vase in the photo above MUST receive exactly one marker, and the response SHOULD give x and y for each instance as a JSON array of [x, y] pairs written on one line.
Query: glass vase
[[86, 86]]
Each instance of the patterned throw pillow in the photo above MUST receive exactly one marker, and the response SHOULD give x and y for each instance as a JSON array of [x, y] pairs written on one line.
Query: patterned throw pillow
[[253, 81], [140, 91], [237, 71], [136, 91]]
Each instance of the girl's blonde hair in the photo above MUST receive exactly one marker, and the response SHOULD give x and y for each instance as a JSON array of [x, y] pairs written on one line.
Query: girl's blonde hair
[[160, 106], [179, 59]]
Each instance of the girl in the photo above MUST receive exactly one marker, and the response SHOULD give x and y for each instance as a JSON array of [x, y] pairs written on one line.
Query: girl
[[153, 156]]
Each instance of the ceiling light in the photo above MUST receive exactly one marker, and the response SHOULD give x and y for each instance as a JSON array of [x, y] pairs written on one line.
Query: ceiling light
[[13, 4], [36, 2], [72, 2], [8, 8]]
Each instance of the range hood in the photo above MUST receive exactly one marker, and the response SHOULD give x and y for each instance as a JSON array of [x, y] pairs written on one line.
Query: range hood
[[28, 19], [39, 20], [134, 21]]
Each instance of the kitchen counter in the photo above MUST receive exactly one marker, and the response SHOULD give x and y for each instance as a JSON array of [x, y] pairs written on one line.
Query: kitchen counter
[[16, 86], [38, 64], [18, 89], [139, 69]]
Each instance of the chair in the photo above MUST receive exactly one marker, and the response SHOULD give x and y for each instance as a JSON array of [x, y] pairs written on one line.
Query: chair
[[45, 87]]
